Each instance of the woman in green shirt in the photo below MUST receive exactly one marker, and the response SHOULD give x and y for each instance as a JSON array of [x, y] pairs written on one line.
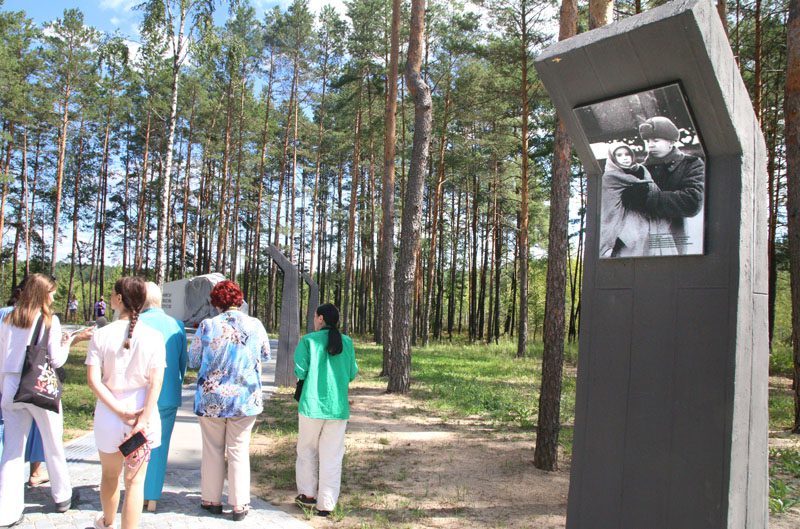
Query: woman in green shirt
[[326, 363]]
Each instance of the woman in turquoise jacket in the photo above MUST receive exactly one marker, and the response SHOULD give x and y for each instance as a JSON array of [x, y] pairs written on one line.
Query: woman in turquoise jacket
[[326, 363]]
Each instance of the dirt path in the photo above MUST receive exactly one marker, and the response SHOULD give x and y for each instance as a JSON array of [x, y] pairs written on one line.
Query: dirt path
[[408, 468]]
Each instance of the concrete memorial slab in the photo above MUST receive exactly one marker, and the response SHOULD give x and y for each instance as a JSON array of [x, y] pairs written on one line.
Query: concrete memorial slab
[[289, 333], [671, 409]]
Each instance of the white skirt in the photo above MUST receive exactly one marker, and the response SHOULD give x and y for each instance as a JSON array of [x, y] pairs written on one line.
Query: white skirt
[[110, 431]]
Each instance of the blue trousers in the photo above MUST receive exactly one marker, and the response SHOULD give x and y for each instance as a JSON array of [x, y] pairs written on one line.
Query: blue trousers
[[34, 451], [156, 470]]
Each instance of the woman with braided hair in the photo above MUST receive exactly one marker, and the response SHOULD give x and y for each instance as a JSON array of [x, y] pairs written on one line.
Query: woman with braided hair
[[125, 369]]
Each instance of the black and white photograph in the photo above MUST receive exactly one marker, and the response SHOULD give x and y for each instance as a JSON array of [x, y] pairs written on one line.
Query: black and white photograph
[[653, 181]]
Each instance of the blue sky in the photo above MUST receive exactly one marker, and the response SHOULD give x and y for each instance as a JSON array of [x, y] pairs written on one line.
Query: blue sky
[[112, 15]]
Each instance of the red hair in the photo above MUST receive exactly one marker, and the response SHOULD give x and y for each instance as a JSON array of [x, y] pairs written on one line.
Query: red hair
[[226, 294]]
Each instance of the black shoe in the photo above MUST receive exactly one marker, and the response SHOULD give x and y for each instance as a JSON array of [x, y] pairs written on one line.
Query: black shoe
[[323, 513], [12, 524], [304, 501], [238, 516], [64, 506], [213, 509]]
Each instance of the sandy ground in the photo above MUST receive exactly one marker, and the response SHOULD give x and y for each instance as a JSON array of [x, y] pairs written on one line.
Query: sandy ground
[[406, 468]]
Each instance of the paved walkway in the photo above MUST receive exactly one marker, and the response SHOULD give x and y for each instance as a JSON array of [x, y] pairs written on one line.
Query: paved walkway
[[179, 507]]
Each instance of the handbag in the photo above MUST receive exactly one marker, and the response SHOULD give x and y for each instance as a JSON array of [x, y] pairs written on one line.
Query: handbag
[[39, 384], [298, 390]]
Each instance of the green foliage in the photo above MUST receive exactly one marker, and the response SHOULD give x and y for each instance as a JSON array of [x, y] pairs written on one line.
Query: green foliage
[[781, 409], [780, 360], [784, 479]]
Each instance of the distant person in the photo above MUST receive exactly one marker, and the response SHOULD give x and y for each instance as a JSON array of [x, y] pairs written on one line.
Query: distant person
[[16, 334], [679, 177], [100, 308], [626, 232], [125, 367], [326, 363], [228, 349], [174, 336], [72, 309]]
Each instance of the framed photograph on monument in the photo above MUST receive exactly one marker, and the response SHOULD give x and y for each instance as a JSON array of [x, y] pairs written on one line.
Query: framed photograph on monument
[[653, 182]]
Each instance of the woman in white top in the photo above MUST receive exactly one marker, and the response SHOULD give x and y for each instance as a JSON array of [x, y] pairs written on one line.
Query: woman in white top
[[125, 370], [16, 332]]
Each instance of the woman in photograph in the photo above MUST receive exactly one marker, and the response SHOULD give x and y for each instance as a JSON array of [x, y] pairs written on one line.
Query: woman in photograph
[[626, 232], [16, 333], [228, 349], [325, 362], [125, 368]]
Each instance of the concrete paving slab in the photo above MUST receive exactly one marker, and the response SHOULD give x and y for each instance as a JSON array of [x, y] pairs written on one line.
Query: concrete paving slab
[[179, 507]]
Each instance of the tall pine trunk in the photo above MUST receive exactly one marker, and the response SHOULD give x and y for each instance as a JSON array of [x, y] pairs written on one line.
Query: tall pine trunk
[[62, 149], [400, 371], [386, 255], [546, 452], [522, 235], [792, 119]]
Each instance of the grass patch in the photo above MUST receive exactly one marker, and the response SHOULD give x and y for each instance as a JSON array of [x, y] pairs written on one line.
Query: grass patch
[[461, 380], [780, 360], [77, 400], [781, 408], [784, 480]]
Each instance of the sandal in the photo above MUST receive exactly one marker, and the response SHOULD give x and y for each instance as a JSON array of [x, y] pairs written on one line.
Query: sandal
[[238, 515], [304, 501], [213, 508]]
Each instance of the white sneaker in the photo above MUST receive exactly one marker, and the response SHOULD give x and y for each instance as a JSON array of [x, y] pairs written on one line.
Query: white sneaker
[[99, 522]]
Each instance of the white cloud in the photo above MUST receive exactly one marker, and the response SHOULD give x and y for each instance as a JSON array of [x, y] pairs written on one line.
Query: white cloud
[[117, 5], [316, 6], [115, 21]]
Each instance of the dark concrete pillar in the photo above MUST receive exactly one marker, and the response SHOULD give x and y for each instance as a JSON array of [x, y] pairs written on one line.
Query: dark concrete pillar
[[671, 406]]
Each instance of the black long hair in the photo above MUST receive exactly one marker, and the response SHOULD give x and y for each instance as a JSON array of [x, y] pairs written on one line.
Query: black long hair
[[330, 314]]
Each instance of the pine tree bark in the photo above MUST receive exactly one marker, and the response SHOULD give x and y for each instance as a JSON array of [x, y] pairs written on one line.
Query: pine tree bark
[[522, 235], [141, 214], [386, 254], [546, 452], [222, 211], [6, 169], [347, 310], [792, 120], [436, 200], [400, 372], [261, 176], [75, 220], [62, 149]]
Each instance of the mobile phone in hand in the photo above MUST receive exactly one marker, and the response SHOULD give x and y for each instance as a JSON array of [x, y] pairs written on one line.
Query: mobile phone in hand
[[132, 443]]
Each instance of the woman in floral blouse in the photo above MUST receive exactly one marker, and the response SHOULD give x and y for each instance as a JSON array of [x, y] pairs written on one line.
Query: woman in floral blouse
[[228, 349]]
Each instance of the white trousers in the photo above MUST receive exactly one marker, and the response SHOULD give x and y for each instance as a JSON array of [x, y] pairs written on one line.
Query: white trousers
[[320, 450], [18, 419], [220, 437]]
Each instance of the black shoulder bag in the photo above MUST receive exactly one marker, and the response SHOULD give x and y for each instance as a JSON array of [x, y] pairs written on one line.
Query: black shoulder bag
[[39, 384]]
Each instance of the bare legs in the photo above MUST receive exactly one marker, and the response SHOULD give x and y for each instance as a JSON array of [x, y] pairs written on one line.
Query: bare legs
[[109, 490]]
